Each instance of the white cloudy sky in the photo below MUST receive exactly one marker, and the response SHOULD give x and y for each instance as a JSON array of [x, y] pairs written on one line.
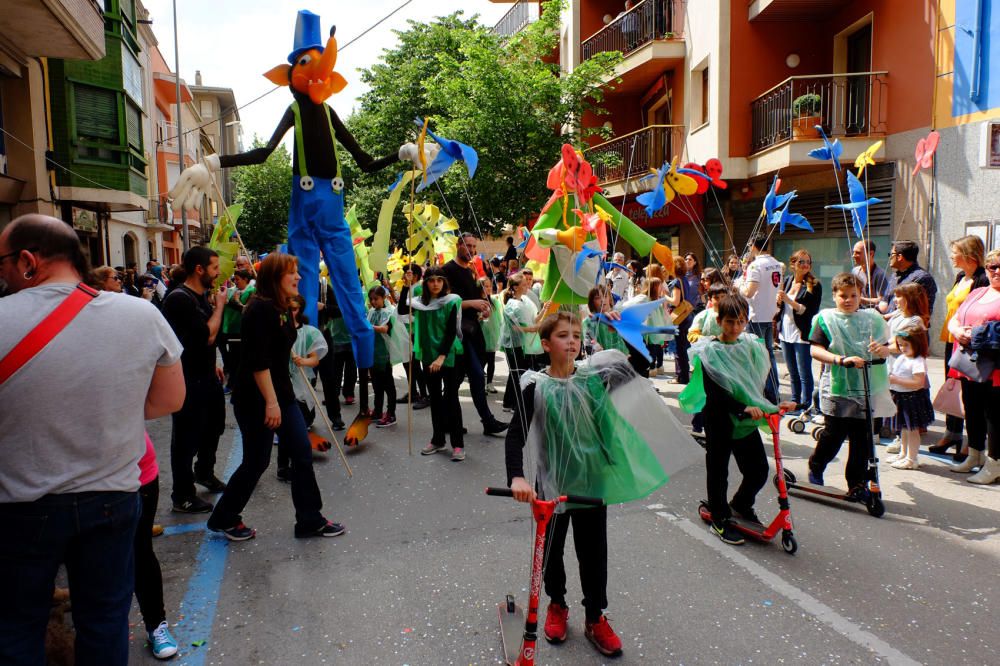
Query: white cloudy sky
[[233, 42]]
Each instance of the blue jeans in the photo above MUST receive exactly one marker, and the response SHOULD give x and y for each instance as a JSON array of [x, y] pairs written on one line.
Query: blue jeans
[[91, 533], [763, 330], [800, 374]]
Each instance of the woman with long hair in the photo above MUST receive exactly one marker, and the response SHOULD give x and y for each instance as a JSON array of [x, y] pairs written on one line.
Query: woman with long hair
[[519, 336], [968, 256], [732, 270], [264, 404], [799, 300], [677, 293]]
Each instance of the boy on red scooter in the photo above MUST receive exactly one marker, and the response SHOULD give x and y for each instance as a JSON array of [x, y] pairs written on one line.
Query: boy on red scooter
[[594, 429], [727, 386]]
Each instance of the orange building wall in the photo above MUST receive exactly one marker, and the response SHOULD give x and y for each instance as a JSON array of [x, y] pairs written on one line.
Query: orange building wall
[[902, 44], [592, 14]]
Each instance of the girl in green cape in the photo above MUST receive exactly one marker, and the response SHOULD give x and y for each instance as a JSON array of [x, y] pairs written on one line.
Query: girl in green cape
[[437, 340]]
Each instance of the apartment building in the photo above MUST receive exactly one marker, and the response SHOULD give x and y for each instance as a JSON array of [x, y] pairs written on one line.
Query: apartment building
[[30, 32]]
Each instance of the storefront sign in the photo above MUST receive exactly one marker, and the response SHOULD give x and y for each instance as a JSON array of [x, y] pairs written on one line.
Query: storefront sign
[[84, 220], [681, 211]]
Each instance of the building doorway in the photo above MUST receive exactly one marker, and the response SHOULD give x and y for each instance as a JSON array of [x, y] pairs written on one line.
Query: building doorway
[[859, 59], [130, 249]]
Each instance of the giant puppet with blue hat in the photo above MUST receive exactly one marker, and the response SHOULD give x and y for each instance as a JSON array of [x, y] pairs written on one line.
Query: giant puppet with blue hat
[[316, 221]]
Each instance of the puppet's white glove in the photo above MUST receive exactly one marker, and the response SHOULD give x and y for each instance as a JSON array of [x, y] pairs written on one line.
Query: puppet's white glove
[[409, 152], [194, 183]]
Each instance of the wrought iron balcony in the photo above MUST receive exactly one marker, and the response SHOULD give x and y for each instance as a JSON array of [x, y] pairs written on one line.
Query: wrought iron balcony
[[850, 104], [647, 21], [632, 156], [517, 18]]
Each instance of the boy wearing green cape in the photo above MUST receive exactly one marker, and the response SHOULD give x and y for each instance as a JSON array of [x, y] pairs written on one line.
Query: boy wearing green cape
[[727, 386], [594, 429], [844, 338]]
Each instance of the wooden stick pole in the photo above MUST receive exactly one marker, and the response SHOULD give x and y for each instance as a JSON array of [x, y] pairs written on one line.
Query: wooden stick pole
[[329, 426]]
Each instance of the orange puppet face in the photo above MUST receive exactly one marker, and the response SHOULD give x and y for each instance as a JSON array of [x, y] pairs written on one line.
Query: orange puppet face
[[312, 73]]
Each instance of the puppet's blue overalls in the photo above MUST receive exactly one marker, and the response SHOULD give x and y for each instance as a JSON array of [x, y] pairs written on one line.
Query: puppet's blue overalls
[[316, 223]]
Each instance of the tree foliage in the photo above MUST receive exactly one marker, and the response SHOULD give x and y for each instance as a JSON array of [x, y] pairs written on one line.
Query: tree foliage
[[507, 99], [265, 190]]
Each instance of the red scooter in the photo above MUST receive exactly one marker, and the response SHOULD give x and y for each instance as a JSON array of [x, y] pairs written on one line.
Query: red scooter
[[783, 521], [518, 647]]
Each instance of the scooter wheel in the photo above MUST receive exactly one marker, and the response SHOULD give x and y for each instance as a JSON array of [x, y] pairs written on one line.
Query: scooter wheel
[[789, 544], [876, 507], [797, 426], [789, 478]]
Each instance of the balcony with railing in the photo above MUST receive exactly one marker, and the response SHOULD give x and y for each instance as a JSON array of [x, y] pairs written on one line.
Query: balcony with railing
[[632, 155], [166, 140], [517, 18], [845, 105], [648, 22]]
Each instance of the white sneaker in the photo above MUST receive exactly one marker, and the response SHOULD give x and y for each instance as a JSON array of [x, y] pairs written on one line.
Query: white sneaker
[[894, 447], [818, 420], [906, 463], [896, 458]]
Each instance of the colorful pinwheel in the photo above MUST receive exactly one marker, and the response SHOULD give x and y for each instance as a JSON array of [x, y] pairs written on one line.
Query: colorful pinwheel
[[925, 151], [451, 152], [859, 204], [669, 184], [829, 151], [867, 158]]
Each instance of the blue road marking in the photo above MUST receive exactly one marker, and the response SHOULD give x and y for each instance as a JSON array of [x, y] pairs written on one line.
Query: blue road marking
[[205, 585], [186, 528]]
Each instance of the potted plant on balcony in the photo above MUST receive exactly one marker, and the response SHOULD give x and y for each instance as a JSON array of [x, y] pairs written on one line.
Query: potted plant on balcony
[[806, 115]]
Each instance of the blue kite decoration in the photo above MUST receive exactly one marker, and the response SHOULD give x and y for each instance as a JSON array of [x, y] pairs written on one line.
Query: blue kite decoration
[[829, 151], [584, 254], [860, 202], [656, 198], [631, 327], [451, 151]]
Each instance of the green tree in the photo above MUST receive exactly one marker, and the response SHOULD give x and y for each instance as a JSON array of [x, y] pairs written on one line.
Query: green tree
[[507, 99], [265, 190]]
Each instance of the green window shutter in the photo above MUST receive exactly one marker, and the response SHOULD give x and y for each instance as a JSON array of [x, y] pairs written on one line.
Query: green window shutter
[[133, 123], [96, 113]]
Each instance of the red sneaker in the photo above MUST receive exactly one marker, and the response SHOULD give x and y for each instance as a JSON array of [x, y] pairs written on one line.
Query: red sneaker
[[603, 637], [555, 623]]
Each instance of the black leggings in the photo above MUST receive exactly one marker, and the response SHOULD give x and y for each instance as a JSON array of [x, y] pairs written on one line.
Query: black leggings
[[385, 388], [590, 539], [148, 579], [750, 458], [982, 422], [415, 378], [517, 365]]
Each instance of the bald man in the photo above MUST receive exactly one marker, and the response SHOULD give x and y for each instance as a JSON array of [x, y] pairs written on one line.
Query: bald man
[[71, 435]]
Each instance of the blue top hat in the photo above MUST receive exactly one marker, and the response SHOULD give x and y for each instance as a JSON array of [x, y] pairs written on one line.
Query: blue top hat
[[307, 35]]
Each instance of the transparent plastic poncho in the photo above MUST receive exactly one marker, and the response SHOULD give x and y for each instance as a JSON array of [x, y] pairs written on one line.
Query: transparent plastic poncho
[[397, 340], [493, 324], [604, 432], [740, 368], [308, 339], [849, 335]]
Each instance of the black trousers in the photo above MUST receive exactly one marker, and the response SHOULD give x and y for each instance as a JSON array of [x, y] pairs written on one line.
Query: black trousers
[[258, 440], [682, 365], [197, 428], [148, 578], [446, 412], [982, 422], [385, 389], [750, 458], [415, 378], [491, 365], [954, 425], [339, 374], [517, 365], [835, 430], [590, 539]]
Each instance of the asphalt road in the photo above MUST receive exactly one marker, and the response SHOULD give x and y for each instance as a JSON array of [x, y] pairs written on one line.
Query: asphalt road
[[427, 557]]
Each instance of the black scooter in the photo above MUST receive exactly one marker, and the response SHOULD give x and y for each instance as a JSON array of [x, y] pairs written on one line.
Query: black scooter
[[873, 498]]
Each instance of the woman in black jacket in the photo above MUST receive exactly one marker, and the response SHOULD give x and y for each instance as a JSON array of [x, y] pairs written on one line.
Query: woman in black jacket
[[264, 404], [799, 300]]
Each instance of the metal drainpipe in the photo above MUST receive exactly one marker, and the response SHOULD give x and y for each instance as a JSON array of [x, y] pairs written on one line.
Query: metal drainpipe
[[977, 53]]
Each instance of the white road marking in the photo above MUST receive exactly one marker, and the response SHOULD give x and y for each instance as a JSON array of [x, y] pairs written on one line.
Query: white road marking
[[804, 600]]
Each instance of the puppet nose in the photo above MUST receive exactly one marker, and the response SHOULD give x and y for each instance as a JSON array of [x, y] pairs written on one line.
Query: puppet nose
[[333, 30]]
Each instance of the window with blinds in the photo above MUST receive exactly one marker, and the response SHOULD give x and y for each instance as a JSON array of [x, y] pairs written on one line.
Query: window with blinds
[[96, 111], [133, 126]]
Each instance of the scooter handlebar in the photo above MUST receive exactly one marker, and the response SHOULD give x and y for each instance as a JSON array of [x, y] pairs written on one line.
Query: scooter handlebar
[[571, 499], [869, 363]]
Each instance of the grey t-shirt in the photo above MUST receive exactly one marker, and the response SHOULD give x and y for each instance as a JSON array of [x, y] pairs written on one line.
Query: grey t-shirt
[[71, 419]]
